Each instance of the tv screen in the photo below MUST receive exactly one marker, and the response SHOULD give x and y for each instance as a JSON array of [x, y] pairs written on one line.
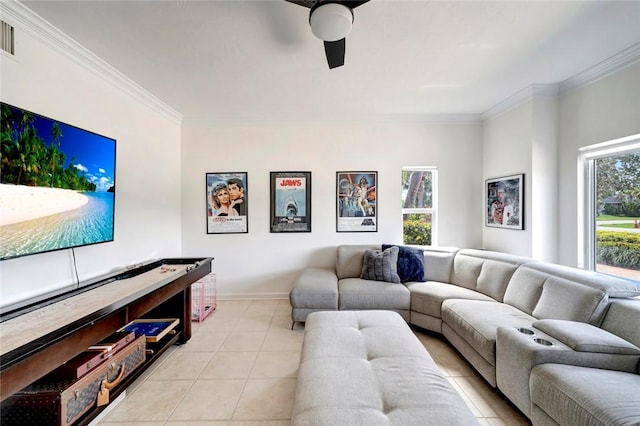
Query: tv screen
[[57, 185]]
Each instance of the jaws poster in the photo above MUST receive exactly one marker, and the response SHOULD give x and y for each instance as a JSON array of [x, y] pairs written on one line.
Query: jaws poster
[[290, 202]]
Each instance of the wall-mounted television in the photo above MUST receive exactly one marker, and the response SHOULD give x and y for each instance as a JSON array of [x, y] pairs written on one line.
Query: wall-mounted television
[[57, 185]]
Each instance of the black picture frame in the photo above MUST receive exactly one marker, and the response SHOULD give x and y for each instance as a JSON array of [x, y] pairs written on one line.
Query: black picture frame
[[230, 217], [290, 202], [504, 198], [356, 201]]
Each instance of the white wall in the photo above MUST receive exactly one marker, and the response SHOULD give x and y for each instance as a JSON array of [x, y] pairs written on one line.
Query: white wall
[[506, 150], [46, 79], [541, 137], [263, 264], [605, 110]]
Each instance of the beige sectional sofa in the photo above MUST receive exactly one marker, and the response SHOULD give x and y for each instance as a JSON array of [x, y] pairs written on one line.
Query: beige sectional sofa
[[524, 325]]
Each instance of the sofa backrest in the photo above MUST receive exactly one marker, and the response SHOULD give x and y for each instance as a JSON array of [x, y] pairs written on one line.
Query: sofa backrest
[[485, 271], [623, 319], [438, 262], [551, 291], [349, 258]]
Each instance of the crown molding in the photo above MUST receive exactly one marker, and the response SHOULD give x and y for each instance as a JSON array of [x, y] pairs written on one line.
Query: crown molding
[[413, 119], [524, 95], [16, 13], [602, 70]]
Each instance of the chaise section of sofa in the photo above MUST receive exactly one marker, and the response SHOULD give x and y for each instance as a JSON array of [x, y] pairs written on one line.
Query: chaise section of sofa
[[597, 380]]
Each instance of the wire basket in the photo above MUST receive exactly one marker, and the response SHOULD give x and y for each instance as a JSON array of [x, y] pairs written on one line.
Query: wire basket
[[204, 299]]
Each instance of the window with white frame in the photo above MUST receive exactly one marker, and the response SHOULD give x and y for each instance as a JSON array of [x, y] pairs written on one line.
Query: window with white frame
[[609, 189], [419, 205]]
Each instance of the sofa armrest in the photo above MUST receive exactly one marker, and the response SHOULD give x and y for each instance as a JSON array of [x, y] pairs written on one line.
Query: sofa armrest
[[315, 288], [582, 337]]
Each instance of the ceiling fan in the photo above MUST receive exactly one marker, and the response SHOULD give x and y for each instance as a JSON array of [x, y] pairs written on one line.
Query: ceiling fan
[[331, 21]]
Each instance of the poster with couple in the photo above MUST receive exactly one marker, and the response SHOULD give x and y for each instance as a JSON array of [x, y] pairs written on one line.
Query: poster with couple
[[227, 208], [356, 203], [505, 202], [290, 202]]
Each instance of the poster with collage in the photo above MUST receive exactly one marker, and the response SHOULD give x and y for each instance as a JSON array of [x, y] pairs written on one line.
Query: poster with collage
[[356, 202]]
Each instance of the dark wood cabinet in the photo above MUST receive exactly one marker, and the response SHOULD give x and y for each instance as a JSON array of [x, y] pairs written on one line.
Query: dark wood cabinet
[[38, 338]]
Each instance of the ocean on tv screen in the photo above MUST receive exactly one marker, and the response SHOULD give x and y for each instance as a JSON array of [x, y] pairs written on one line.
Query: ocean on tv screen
[[57, 187]]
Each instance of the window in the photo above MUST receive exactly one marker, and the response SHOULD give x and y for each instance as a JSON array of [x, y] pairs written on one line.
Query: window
[[419, 201], [609, 228]]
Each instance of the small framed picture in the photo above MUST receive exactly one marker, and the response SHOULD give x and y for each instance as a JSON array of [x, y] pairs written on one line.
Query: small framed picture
[[356, 202], [227, 203], [505, 202], [290, 202]]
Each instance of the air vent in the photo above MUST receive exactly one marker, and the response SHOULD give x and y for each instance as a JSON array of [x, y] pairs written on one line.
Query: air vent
[[8, 44]]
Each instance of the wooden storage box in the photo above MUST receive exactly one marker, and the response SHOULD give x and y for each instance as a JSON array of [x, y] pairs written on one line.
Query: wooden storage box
[[153, 328], [63, 401]]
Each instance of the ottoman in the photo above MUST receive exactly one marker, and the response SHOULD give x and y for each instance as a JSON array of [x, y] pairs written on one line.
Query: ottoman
[[368, 368]]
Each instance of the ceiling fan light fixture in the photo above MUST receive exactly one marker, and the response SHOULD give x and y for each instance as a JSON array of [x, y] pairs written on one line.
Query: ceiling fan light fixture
[[331, 21]]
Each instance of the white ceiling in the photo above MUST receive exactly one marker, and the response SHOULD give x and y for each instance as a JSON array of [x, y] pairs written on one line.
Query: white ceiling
[[257, 60]]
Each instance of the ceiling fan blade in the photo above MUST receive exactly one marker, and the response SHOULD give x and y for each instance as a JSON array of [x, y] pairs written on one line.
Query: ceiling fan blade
[[310, 3], [353, 3], [335, 52], [303, 3]]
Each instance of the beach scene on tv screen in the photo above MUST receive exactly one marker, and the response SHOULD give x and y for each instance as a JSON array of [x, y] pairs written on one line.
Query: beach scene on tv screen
[[57, 184]]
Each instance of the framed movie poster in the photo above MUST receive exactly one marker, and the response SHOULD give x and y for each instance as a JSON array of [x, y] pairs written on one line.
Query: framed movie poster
[[227, 205], [290, 202], [505, 202], [356, 202]]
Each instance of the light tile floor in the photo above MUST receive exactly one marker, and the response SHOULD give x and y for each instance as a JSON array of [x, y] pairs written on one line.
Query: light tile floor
[[240, 368]]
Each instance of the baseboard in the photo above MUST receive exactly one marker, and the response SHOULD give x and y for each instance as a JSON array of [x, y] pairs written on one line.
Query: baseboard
[[252, 296]]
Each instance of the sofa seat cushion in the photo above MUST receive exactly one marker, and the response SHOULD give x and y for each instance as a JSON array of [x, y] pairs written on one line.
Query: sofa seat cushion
[[359, 294], [573, 395], [427, 298], [477, 322], [368, 368]]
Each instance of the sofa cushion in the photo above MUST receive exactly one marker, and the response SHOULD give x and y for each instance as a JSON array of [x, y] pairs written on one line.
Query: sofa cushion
[[349, 259], [410, 263], [358, 294], [477, 322], [568, 300], [584, 337], [623, 319], [524, 289], [427, 298], [381, 265], [485, 271], [573, 395], [494, 278], [438, 262], [614, 287]]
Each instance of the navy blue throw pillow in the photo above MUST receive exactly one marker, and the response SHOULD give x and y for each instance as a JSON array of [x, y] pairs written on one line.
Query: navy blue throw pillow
[[410, 263]]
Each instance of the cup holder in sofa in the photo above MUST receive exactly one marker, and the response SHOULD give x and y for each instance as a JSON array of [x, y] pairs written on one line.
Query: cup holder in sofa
[[543, 342], [526, 331]]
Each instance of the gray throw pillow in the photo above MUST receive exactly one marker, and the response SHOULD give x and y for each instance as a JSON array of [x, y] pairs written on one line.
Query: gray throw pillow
[[381, 265]]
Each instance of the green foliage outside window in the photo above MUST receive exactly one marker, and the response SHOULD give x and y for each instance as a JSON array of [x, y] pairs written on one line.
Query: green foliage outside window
[[621, 249], [416, 231]]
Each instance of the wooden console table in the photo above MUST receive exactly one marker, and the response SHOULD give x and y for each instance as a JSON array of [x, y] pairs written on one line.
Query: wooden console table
[[36, 339]]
